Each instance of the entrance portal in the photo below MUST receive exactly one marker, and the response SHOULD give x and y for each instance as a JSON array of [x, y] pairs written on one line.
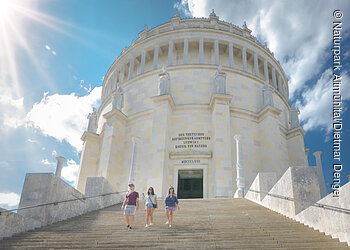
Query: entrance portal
[[190, 184]]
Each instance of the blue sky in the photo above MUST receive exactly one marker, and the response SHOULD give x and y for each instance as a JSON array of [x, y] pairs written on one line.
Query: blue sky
[[55, 53]]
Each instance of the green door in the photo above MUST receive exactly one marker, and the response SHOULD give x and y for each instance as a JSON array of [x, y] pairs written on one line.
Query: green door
[[190, 184]]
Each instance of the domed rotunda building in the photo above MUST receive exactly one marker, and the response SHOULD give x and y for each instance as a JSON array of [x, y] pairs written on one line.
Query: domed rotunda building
[[199, 104]]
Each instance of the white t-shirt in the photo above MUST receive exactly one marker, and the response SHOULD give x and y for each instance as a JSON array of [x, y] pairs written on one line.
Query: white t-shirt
[[151, 199]]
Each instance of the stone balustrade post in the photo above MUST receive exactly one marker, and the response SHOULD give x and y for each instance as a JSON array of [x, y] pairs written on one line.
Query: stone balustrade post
[[239, 165], [60, 161], [320, 175], [135, 142]]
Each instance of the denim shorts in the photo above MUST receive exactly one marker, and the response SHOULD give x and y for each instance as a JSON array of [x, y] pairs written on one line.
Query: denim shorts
[[129, 210], [149, 205], [170, 208]]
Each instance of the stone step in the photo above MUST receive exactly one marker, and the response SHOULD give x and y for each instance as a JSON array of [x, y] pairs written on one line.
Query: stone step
[[238, 224]]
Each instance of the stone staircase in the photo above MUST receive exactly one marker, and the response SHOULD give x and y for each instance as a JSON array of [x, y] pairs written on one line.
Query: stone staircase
[[200, 224]]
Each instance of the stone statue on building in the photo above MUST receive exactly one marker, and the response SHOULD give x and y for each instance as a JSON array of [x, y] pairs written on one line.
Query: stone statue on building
[[293, 116], [220, 81], [92, 127], [164, 82], [267, 93], [118, 99]]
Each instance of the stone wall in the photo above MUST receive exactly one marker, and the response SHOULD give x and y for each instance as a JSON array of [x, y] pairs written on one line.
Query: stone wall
[[300, 186], [48, 188]]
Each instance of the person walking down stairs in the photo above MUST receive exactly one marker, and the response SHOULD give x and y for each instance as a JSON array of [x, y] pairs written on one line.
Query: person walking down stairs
[[130, 206], [150, 205], [171, 204]]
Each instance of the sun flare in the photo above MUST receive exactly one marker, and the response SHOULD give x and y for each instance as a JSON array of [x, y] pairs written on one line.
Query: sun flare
[[6, 8]]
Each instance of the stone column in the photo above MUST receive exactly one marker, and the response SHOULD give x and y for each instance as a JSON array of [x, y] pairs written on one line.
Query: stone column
[[170, 53], [274, 84], [60, 161], [155, 57], [321, 181], [240, 192], [216, 52], [256, 65], [220, 173], [131, 68], [279, 84], [185, 51], [266, 72], [230, 52], [121, 78], [201, 47], [143, 58], [132, 175], [244, 59], [114, 81]]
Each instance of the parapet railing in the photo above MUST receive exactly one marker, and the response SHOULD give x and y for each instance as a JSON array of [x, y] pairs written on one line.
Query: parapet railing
[[62, 201], [315, 204]]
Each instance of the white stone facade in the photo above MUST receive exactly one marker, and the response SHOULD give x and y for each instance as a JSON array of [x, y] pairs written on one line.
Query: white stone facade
[[192, 52]]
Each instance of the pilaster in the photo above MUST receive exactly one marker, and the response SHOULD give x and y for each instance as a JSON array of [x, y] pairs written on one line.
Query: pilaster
[[296, 148], [157, 174], [271, 155], [221, 168], [89, 159], [112, 145]]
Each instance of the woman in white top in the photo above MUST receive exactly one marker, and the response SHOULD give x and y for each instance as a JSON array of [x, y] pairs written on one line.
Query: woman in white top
[[151, 204]]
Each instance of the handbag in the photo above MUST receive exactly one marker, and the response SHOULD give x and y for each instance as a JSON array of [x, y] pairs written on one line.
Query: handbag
[[154, 205]]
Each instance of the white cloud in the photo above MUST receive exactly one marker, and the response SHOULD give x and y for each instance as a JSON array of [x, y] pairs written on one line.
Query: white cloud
[[70, 172], [11, 107], [47, 47], [54, 153], [48, 163], [64, 117], [9, 200], [4, 164], [32, 141], [183, 7], [53, 52], [316, 108], [298, 32]]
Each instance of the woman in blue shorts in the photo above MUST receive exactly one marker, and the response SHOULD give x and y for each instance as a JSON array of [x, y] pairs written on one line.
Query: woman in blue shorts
[[151, 204], [171, 204]]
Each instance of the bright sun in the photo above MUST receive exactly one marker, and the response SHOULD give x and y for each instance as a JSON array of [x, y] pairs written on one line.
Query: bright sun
[[6, 7]]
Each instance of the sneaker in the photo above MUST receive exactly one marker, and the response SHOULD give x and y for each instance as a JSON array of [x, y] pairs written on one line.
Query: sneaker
[[129, 228], [167, 222], [169, 225], [147, 225], [151, 224]]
